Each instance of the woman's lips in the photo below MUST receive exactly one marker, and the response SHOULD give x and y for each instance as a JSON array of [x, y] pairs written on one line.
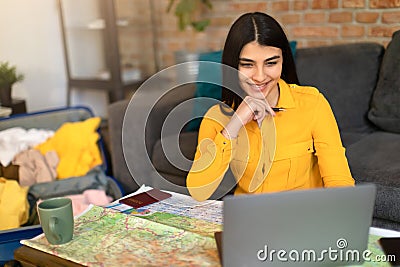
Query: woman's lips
[[259, 87]]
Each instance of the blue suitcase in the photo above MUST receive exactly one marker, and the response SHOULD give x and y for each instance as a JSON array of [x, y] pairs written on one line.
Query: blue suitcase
[[52, 119]]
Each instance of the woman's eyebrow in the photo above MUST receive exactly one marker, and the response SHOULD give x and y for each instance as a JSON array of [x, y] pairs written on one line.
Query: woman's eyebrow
[[246, 59], [250, 60], [272, 58]]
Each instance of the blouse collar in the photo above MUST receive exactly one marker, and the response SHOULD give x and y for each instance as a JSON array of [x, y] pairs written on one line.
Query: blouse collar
[[286, 99]]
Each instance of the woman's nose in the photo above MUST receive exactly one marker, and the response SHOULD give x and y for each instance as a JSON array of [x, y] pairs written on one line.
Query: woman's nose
[[259, 75]]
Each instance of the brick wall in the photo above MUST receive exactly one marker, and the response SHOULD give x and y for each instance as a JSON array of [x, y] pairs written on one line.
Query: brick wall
[[309, 22], [135, 39]]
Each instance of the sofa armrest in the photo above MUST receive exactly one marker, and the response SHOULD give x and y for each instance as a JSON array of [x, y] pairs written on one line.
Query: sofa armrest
[[161, 110], [154, 122], [116, 112]]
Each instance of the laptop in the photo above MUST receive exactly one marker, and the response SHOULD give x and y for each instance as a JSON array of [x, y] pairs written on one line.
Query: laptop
[[318, 227]]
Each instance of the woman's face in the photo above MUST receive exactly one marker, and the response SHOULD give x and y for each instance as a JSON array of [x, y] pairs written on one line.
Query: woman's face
[[261, 68]]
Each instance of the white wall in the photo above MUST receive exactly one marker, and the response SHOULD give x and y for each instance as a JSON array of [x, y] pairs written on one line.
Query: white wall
[[30, 38]]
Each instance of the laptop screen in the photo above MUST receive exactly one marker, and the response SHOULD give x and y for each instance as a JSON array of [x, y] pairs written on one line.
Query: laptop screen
[[318, 227]]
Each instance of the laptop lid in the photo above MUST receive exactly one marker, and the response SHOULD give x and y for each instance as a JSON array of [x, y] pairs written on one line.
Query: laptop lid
[[318, 227]]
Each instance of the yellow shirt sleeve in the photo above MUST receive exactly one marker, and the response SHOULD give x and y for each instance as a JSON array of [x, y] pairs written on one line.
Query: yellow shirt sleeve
[[332, 162], [212, 158]]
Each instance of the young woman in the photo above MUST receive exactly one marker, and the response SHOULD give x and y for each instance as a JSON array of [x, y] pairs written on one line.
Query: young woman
[[279, 135]]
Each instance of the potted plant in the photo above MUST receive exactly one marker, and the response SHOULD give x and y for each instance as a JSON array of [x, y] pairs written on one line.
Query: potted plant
[[8, 76], [189, 14]]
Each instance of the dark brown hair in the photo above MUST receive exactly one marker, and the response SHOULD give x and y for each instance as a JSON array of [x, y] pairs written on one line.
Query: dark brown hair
[[266, 31]]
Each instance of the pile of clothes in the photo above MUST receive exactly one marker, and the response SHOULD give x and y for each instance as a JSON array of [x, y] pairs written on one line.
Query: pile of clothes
[[39, 156]]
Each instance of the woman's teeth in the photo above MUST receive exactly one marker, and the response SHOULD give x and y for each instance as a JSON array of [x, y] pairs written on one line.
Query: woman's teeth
[[258, 87]]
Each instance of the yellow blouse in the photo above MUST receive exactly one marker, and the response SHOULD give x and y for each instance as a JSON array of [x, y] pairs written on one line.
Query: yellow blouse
[[308, 152]]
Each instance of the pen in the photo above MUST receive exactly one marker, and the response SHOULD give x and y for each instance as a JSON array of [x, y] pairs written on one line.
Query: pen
[[274, 109], [278, 109]]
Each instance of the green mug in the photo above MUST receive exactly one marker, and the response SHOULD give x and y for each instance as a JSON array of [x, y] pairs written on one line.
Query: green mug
[[57, 220]]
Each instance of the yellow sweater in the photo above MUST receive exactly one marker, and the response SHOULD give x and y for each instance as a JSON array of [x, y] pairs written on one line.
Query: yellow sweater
[[308, 152], [76, 146]]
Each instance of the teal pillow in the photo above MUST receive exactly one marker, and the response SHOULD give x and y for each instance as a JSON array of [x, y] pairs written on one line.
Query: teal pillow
[[210, 89], [293, 45]]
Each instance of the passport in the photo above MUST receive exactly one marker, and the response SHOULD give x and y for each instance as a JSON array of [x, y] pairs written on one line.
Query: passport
[[145, 198]]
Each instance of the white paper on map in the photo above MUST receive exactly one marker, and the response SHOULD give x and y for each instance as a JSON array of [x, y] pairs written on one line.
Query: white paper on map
[[178, 204]]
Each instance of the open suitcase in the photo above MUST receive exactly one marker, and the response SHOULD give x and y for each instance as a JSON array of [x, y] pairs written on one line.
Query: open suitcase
[[95, 179]]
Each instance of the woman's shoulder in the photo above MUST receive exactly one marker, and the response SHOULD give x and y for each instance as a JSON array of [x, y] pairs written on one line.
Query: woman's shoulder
[[308, 95], [219, 112], [304, 89]]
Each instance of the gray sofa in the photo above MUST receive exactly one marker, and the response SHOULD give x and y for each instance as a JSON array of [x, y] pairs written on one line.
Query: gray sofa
[[361, 82]]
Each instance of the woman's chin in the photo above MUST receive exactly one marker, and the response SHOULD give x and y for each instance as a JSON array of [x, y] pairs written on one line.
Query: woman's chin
[[255, 91], [260, 94]]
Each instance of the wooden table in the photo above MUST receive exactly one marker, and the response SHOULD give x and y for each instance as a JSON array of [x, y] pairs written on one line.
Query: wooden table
[[27, 256]]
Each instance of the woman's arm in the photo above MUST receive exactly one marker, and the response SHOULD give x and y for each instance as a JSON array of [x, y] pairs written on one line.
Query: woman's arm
[[212, 158], [330, 152]]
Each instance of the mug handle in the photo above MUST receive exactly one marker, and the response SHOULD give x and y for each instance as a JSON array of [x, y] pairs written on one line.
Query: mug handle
[[52, 226]]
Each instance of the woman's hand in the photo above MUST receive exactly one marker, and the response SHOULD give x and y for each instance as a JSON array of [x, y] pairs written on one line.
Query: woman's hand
[[253, 109], [250, 109]]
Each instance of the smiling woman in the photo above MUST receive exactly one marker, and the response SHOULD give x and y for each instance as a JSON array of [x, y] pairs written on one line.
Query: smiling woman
[[260, 69], [267, 151]]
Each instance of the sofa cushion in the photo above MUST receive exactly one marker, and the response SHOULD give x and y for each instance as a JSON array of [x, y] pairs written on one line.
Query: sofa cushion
[[187, 144], [385, 106], [346, 75], [175, 179], [349, 138], [375, 159]]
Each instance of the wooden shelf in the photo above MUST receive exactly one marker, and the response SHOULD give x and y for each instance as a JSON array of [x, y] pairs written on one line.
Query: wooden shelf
[[18, 106], [92, 48]]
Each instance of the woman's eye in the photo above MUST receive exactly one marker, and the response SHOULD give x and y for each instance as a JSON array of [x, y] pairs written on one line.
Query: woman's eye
[[271, 63], [245, 65]]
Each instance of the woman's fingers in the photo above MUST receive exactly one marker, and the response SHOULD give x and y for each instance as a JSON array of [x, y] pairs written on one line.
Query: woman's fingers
[[269, 109], [250, 109], [259, 117], [265, 105], [259, 107]]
